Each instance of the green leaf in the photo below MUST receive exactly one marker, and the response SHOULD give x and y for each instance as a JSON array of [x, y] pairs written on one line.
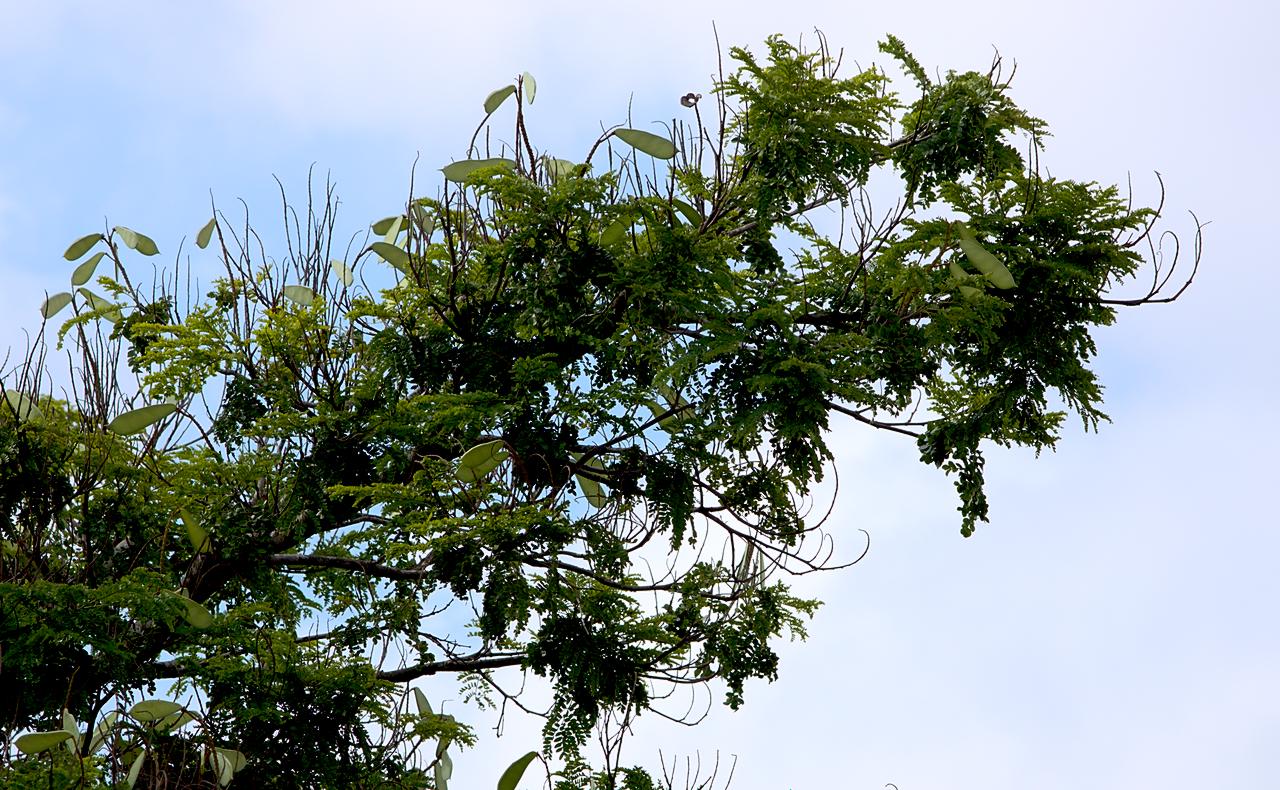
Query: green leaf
[[136, 769], [106, 308], [494, 100], [136, 241], [82, 245], [197, 534], [983, 261], [24, 409], [651, 144], [85, 270], [424, 707], [392, 255], [459, 171], [345, 275], [515, 772], [383, 225], [54, 304], [530, 87], [481, 460], [36, 742], [69, 724], [206, 233], [299, 294], [137, 420], [154, 709]]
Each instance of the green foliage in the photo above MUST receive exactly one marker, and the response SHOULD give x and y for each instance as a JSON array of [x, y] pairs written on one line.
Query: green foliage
[[56, 768], [471, 461]]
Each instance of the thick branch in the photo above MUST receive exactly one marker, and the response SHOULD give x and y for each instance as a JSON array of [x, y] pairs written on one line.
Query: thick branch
[[351, 564], [464, 664], [162, 670]]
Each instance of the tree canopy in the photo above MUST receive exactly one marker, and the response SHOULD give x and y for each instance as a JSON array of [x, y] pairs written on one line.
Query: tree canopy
[[561, 418]]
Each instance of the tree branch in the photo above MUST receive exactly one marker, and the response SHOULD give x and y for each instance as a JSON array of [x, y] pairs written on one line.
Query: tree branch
[[464, 664], [888, 426], [893, 145], [351, 564]]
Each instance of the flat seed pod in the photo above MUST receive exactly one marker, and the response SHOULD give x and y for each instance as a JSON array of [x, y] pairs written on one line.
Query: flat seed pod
[[107, 308], [511, 777], [345, 275], [154, 709], [687, 211], [138, 420], [591, 488], [136, 241], [299, 294], [206, 233], [424, 707], [55, 304], [984, 261], [85, 270], [383, 225], [23, 407], [458, 171], [197, 534], [481, 460], [647, 142], [36, 742], [392, 255], [135, 770], [494, 100], [82, 245]]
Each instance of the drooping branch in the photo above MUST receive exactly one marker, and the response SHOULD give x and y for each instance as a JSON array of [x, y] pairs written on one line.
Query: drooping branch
[[1159, 283]]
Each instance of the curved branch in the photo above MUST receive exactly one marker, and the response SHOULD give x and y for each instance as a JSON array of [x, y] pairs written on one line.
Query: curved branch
[[888, 426], [1158, 283], [616, 585]]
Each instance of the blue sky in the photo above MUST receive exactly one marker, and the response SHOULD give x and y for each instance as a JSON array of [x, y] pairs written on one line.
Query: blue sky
[[1115, 626]]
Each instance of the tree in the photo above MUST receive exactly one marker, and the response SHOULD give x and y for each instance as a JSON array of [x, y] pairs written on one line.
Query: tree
[[559, 419]]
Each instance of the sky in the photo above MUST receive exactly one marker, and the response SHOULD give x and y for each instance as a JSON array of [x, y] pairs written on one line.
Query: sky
[[1114, 626]]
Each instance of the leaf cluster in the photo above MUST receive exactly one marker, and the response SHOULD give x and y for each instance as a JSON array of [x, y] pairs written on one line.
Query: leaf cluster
[[561, 418]]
